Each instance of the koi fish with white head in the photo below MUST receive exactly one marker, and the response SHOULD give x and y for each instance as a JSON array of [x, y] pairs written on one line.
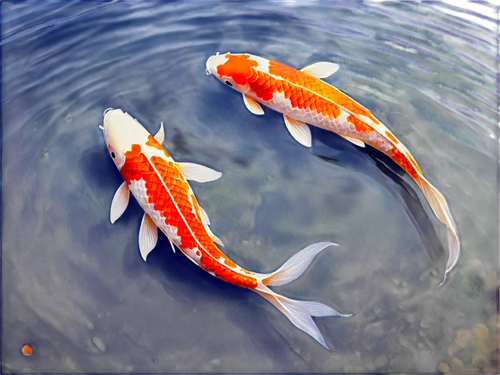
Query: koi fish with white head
[[303, 98], [160, 186]]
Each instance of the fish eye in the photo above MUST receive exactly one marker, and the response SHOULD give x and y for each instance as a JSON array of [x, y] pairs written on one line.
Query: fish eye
[[113, 155], [228, 83]]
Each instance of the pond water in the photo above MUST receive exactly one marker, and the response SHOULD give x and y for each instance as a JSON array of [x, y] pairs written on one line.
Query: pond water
[[75, 287]]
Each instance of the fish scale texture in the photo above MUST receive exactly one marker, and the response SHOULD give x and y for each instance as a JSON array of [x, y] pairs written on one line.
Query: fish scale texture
[[308, 93], [190, 228], [319, 87]]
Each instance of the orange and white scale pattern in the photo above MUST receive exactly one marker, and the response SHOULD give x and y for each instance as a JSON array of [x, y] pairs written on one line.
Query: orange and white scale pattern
[[308, 99], [162, 191]]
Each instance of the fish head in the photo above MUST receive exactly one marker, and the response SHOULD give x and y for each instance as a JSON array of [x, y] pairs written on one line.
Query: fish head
[[121, 133], [234, 70]]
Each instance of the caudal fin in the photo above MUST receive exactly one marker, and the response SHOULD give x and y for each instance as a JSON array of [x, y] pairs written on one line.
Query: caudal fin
[[441, 210], [296, 265], [300, 313]]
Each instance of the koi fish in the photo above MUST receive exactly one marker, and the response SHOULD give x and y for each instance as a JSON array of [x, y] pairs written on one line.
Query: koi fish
[[160, 186], [303, 98]]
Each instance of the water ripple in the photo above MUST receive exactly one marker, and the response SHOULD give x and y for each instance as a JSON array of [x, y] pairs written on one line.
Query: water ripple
[[139, 37], [428, 70]]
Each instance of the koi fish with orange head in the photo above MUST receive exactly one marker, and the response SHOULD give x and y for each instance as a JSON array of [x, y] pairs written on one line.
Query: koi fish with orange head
[[303, 98]]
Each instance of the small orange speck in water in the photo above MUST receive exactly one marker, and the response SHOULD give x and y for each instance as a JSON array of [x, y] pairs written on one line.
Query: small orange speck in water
[[27, 350]]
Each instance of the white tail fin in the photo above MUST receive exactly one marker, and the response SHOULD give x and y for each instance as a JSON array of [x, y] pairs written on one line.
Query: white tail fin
[[296, 265], [300, 313], [441, 210]]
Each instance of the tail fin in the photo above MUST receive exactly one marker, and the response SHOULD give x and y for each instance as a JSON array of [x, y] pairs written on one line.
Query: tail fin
[[300, 313], [441, 210], [296, 265]]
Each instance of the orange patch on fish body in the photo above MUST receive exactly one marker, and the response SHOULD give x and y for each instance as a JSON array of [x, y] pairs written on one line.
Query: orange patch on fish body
[[414, 163], [320, 88], [360, 126], [238, 67], [264, 86], [401, 159], [168, 192], [136, 150], [154, 143], [391, 137]]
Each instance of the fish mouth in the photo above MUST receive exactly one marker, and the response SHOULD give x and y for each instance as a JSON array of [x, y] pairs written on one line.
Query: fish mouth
[[107, 113], [208, 65], [101, 126], [211, 64]]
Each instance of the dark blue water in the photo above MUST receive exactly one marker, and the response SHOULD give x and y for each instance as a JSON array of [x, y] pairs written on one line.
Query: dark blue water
[[75, 286]]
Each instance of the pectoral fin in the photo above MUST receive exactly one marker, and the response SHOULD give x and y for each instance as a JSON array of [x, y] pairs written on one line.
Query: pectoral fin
[[356, 141], [119, 202], [214, 238], [198, 173], [148, 236], [321, 69], [252, 105], [206, 222], [204, 217], [299, 131], [160, 135], [172, 246]]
